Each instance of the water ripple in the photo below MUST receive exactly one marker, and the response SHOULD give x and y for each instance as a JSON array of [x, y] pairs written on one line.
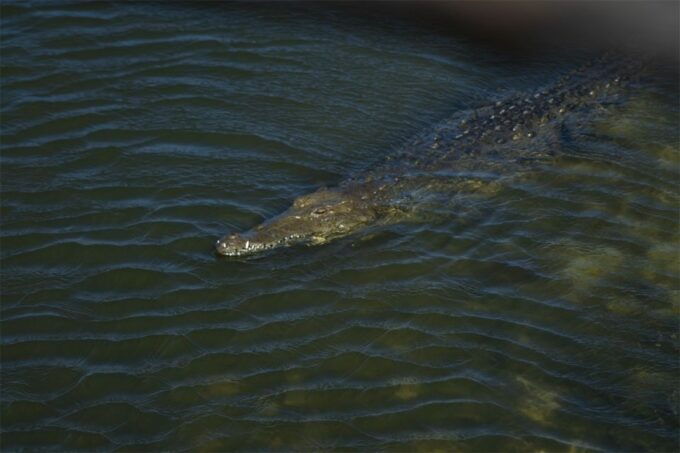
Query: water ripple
[[537, 317]]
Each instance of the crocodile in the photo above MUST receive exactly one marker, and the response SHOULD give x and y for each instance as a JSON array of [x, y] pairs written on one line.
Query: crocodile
[[469, 150]]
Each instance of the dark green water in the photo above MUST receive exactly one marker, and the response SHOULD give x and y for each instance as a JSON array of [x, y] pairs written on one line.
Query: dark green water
[[543, 316]]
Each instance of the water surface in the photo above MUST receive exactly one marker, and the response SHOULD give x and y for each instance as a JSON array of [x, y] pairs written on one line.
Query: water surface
[[542, 316]]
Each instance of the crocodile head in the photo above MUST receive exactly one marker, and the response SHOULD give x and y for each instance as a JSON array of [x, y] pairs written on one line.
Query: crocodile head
[[313, 219]]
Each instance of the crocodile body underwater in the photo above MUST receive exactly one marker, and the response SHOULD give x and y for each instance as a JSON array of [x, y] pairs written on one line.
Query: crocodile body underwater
[[459, 154]]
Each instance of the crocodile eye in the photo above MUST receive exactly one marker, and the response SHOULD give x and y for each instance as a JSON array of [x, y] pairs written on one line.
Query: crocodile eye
[[319, 211]]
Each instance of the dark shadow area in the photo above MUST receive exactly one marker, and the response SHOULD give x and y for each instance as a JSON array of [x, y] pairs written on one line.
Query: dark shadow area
[[639, 26]]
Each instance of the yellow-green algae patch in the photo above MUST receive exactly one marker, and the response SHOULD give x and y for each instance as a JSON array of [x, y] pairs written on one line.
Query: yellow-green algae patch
[[407, 392], [585, 267], [537, 402]]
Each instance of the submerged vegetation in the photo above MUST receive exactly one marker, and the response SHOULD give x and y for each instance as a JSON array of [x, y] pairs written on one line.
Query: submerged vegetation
[[532, 306]]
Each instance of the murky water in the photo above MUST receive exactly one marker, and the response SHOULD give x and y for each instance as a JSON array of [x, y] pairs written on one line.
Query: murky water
[[542, 316]]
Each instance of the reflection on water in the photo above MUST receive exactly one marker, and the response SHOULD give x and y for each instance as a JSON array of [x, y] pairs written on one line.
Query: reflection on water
[[538, 315]]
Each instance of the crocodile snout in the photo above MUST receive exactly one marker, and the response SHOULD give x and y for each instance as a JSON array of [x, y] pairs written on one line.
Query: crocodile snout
[[231, 244]]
